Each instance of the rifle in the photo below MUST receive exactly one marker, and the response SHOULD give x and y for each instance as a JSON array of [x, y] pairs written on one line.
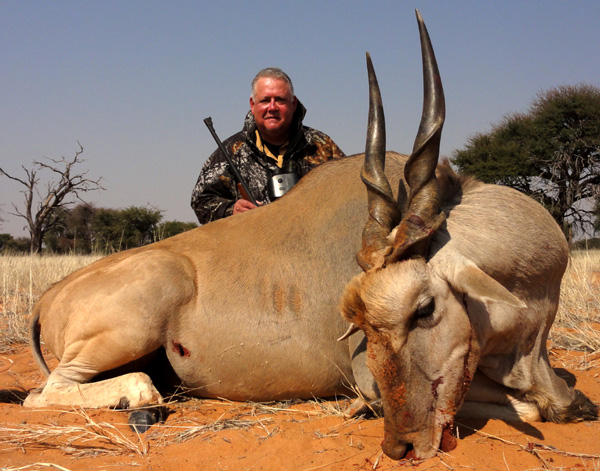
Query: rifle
[[241, 184]]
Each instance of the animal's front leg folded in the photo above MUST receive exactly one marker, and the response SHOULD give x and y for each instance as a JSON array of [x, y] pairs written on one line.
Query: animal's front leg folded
[[128, 391]]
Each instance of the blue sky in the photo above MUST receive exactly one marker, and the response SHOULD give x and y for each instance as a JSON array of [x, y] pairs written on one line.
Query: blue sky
[[133, 80]]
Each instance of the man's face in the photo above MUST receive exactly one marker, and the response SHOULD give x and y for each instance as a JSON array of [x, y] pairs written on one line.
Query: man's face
[[273, 107]]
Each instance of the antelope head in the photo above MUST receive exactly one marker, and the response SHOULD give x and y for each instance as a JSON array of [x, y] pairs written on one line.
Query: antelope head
[[418, 336]]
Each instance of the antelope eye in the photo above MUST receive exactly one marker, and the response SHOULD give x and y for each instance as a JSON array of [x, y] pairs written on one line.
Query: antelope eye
[[425, 310]]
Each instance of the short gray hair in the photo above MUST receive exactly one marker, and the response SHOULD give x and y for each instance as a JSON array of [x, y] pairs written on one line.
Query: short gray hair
[[274, 73]]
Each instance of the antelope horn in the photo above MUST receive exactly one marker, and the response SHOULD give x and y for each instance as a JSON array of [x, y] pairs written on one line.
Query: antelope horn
[[423, 216], [383, 209], [352, 329]]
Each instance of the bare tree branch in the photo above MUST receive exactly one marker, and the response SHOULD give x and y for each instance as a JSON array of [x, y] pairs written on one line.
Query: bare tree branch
[[59, 193]]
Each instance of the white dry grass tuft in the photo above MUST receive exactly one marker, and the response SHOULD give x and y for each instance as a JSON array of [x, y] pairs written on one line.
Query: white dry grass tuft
[[91, 438], [36, 467]]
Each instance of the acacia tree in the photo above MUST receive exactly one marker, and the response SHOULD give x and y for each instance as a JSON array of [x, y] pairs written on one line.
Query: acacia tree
[[551, 153], [118, 229], [85, 229], [43, 208], [72, 231]]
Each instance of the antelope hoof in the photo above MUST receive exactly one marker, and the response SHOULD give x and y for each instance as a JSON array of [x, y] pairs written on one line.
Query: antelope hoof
[[141, 420]]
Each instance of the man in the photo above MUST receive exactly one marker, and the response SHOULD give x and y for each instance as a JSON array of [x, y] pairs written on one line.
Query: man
[[272, 141]]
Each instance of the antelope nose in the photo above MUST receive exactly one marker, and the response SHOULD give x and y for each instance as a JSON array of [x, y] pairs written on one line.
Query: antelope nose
[[395, 449]]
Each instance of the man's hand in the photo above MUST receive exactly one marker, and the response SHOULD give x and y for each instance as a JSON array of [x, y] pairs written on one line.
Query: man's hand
[[242, 206]]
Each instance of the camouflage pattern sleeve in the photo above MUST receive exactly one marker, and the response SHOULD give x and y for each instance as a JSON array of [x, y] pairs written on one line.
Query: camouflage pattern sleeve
[[214, 194], [324, 148], [333, 151]]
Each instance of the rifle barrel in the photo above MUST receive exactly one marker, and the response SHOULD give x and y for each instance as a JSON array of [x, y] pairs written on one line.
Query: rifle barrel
[[236, 173]]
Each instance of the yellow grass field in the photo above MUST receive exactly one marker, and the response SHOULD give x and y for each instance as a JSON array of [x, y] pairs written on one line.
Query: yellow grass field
[[24, 278]]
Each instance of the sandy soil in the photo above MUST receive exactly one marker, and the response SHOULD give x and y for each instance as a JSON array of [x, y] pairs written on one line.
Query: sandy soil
[[306, 436]]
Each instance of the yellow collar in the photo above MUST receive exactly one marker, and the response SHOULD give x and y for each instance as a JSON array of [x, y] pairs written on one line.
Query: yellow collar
[[265, 150]]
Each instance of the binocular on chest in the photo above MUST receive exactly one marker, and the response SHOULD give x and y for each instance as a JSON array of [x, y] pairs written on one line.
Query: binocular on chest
[[282, 180]]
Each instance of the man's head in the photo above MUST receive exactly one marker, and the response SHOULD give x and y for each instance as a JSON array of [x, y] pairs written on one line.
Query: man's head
[[273, 104]]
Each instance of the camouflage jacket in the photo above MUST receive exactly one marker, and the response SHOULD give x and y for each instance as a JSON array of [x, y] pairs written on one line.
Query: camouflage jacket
[[216, 191]]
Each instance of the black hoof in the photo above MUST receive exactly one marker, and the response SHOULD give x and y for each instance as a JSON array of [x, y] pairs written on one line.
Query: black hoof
[[141, 420]]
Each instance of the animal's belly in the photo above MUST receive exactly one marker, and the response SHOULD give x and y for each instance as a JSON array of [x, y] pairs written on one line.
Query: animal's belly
[[264, 370]]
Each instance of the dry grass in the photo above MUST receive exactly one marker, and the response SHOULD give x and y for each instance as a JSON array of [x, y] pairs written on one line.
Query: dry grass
[[577, 324], [91, 438], [36, 467], [247, 416], [23, 279], [535, 449]]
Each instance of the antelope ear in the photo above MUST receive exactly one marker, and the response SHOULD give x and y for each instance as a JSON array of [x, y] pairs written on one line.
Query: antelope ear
[[468, 278], [352, 306]]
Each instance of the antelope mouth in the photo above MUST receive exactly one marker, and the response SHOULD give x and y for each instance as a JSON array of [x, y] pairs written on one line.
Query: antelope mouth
[[419, 447]]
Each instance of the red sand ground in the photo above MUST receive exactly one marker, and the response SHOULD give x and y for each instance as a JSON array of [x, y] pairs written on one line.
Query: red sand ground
[[219, 435]]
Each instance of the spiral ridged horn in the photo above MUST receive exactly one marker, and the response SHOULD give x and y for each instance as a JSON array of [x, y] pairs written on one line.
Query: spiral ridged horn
[[423, 215], [384, 213]]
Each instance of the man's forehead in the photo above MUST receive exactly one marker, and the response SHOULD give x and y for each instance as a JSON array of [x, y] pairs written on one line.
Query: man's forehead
[[268, 86]]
